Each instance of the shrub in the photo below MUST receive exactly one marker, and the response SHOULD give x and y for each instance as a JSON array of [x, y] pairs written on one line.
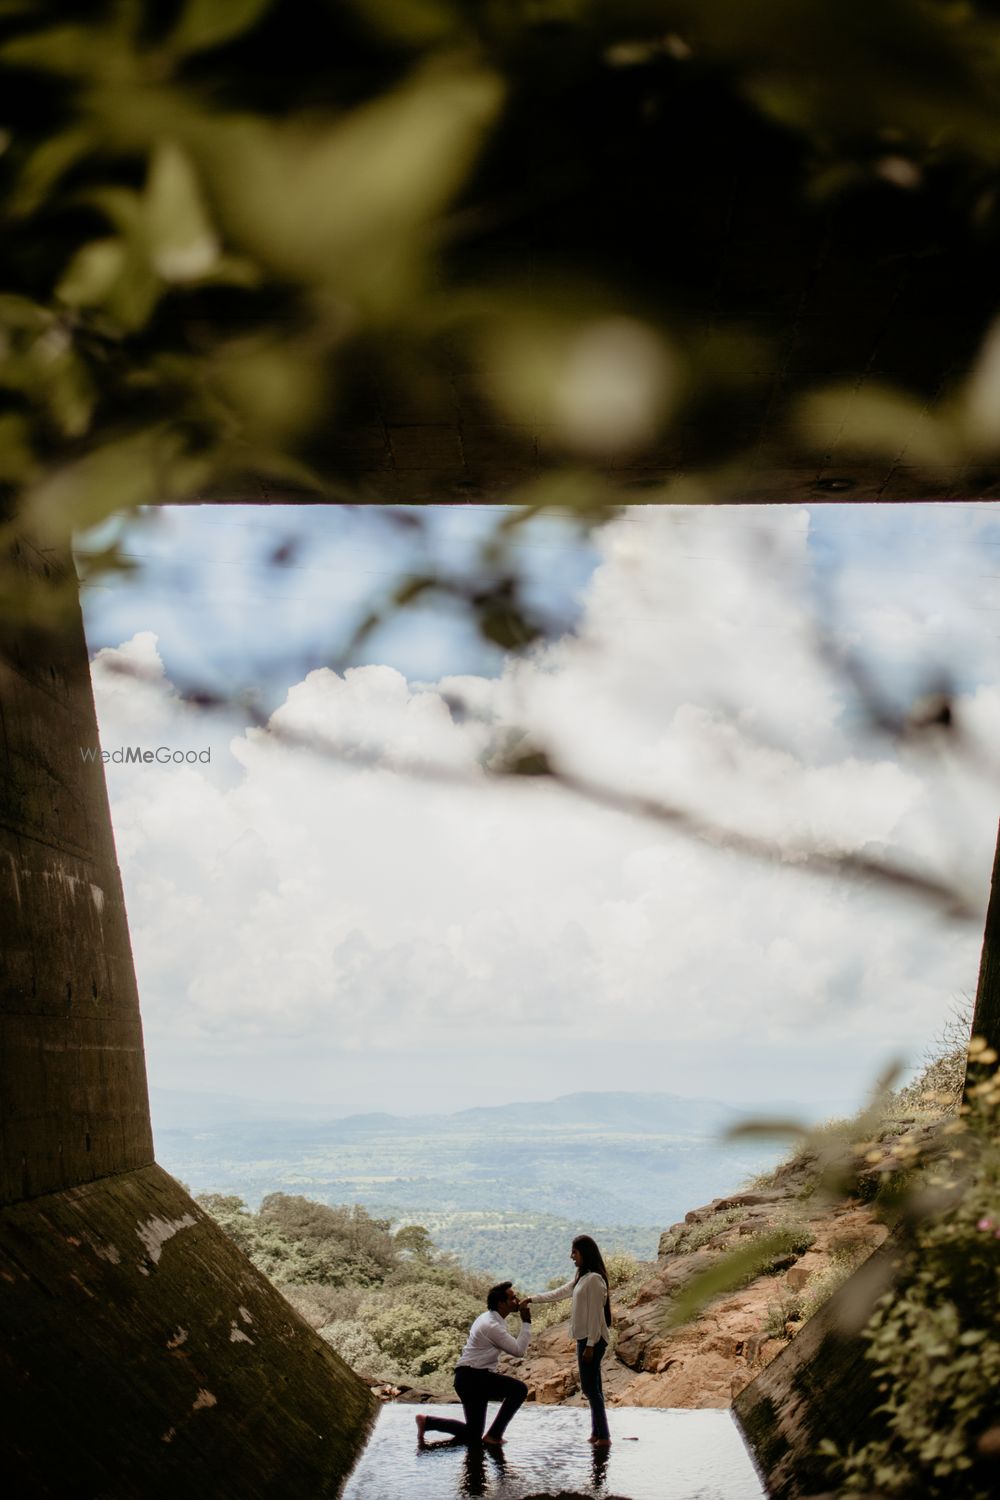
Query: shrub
[[621, 1267], [939, 1084], [419, 1328], [232, 1215], [444, 1271], [785, 1308], [796, 1237], [689, 1237], [822, 1287], [321, 1305], [390, 1305], [356, 1345], [339, 1246]]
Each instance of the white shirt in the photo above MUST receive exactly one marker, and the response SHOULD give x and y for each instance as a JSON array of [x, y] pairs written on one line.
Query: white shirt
[[487, 1337], [589, 1294]]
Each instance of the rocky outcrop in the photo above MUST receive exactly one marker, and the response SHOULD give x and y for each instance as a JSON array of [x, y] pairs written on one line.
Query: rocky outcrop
[[710, 1360]]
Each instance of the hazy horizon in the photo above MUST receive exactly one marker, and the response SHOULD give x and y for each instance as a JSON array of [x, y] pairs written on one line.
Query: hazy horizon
[[811, 1107], [504, 1188]]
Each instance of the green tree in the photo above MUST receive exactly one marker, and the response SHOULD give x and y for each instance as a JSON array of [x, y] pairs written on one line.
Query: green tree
[[421, 1329], [414, 1240], [340, 1246]]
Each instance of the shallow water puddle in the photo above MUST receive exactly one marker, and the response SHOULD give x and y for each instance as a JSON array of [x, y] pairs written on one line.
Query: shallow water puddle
[[676, 1455]]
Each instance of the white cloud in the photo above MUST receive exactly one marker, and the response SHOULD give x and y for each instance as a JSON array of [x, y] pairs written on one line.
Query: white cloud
[[289, 905]]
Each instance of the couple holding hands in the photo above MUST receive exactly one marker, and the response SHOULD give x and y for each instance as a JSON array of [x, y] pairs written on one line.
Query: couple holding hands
[[477, 1381]]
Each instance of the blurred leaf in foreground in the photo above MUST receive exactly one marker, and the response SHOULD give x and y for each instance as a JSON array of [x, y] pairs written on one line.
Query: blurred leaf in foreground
[[350, 204]]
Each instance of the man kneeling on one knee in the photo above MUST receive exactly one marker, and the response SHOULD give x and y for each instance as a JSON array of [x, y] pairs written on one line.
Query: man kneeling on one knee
[[476, 1378]]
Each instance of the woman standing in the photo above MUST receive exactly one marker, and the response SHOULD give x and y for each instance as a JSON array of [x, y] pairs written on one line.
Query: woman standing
[[590, 1326]]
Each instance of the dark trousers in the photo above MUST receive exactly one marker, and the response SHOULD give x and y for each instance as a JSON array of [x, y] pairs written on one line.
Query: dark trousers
[[475, 1388], [591, 1386]]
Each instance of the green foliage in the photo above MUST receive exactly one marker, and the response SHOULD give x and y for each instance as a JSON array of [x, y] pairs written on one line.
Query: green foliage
[[296, 1241], [322, 1305], [225, 219], [414, 1240], [356, 1345], [934, 1341], [530, 1248], [621, 1268], [188, 267], [390, 1304], [207, 23], [232, 1215], [421, 1328], [341, 1246]]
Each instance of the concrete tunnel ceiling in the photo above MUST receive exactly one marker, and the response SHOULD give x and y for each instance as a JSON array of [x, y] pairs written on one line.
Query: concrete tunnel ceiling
[[437, 438]]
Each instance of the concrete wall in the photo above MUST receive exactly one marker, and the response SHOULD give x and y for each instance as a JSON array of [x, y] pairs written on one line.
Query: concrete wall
[[141, 1350], [74, 1102], [820, 1386], [986, 1016]]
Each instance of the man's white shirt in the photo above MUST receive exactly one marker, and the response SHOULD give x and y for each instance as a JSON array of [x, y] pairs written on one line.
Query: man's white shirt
[[488, 1338]]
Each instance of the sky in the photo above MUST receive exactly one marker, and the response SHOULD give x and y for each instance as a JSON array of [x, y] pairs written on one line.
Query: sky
[[398, 928]]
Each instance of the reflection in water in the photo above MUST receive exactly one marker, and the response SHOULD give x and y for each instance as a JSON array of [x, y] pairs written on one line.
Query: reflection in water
[[674, 1455], [475, 1468], [600, 1462], [475, 1471], [477, 1460]]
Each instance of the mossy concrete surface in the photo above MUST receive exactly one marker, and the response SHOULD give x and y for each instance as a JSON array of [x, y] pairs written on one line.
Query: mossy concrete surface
[[820, 1386], [144, 1356]]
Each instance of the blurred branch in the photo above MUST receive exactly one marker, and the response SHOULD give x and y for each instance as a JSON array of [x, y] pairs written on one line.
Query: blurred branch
[[538, 765]]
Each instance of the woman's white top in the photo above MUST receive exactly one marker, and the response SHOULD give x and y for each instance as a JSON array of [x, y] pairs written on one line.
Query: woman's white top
[[589, 1295]]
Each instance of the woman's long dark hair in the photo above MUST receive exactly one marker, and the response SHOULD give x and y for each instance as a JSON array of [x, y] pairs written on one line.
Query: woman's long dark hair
[[593, 1260]]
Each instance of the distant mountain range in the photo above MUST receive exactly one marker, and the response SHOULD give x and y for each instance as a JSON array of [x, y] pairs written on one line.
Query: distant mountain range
[[504, 1187], [175, 1109]]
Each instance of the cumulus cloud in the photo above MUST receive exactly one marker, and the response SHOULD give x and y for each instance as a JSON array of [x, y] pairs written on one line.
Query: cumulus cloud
[[310, 903]]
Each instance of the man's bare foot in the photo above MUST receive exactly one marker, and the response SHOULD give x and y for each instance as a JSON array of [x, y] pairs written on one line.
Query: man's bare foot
[[421, 1421], [601, 1442], [494, 1442]]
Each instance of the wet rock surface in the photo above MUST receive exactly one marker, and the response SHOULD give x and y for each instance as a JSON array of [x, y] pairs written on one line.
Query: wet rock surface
[[654, 1455]]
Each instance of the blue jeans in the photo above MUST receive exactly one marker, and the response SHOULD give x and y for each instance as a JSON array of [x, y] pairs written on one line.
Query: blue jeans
[[590, 1385]]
